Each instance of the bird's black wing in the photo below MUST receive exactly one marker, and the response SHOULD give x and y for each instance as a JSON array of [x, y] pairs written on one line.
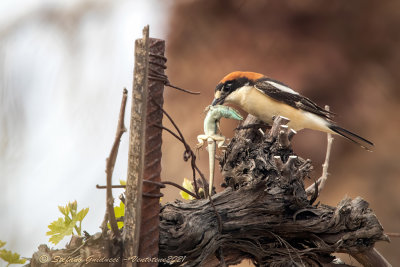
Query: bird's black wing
[[292, 99]]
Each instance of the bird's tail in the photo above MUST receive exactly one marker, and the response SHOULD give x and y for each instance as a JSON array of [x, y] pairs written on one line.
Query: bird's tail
[[364, 143]]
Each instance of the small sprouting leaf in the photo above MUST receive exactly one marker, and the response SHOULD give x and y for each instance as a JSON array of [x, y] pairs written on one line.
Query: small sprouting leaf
[[187, 184], [10, 257], [64, 226], [66, 209], [73, 206], [60, 229], [82, 214], [2, 244], [63, 210], [122, 182], [119, 212]]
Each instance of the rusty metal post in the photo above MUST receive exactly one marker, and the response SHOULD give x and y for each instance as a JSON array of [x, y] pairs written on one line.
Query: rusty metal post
[[149, 233], [133, 192]]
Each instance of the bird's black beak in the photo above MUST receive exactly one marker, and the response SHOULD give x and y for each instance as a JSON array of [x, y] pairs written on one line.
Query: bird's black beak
[[218, 99], [215, 101]]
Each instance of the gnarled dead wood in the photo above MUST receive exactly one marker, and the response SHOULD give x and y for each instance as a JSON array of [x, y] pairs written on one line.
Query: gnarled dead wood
[[265, 212]]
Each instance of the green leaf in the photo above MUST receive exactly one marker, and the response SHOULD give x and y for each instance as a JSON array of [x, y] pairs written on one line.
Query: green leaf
[[60, 229], [119, 212], [64, 226], [73, 207], [2, 244], [63, 210], [122, 182], [82, 214], [187, 184], [10, 257]]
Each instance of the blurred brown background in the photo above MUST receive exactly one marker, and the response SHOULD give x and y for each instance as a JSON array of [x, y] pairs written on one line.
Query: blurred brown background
[[341, 53]]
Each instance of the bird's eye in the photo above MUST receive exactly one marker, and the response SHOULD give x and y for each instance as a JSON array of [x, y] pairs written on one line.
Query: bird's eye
[[227, 87]]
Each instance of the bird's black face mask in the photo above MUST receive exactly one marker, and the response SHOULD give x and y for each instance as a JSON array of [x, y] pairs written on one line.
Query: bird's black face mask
[[224, 89], [221, 92]]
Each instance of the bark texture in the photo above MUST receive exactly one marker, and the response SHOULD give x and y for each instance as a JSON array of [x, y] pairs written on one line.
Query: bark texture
[[136, 156], [266, 214]]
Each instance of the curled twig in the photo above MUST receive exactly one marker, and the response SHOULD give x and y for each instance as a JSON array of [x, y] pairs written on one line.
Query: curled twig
[[162, 185], [188, 153], [110, 166], [181, 188], [181, 89], [168, 130], [158, 76]]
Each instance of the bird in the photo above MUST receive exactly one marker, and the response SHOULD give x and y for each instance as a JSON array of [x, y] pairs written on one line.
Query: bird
[[266, 98]]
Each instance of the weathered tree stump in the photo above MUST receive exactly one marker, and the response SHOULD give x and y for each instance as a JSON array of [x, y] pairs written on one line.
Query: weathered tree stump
[[266, 215]]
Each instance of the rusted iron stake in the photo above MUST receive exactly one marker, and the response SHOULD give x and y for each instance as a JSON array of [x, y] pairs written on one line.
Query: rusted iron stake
[[149, 233], [133, 192]]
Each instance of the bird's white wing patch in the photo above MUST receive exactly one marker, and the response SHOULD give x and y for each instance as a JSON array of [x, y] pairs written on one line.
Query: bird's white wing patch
[[282, 87]]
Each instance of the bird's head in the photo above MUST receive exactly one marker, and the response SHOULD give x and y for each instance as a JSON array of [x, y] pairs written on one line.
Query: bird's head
[[231, 83]]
